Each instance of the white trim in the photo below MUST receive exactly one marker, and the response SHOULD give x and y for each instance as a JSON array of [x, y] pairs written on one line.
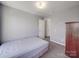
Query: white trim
[[57, 42]]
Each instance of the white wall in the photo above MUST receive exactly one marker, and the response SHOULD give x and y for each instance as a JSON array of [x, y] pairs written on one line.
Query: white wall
[[17, 24], [58, 30]]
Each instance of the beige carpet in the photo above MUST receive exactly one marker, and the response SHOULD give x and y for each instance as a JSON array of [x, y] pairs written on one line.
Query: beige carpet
[[55, 51]]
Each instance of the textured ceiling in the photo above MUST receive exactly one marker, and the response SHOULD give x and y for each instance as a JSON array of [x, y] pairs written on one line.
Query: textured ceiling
[[51, 8]]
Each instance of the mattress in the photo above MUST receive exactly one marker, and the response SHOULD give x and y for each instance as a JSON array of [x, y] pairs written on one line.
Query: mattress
[[23, 48]]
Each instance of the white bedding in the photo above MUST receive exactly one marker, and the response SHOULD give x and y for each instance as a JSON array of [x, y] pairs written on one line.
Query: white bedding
[[17, 48]]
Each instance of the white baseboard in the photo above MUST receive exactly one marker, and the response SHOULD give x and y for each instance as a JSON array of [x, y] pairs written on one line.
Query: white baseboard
[[58, 42]]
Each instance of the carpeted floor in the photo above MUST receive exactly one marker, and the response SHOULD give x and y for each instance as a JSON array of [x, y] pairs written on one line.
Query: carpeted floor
[[55, 51]]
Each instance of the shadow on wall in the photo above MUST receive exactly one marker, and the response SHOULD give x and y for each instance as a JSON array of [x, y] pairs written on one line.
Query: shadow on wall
[[0, 23]]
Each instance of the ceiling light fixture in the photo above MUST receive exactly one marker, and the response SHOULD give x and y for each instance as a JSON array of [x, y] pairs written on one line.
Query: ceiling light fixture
[[41, 4]]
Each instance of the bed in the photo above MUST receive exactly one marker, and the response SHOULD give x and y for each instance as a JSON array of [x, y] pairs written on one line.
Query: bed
[[24, 48]]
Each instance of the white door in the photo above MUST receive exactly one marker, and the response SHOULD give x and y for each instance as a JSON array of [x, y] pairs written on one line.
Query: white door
[[42, 28]]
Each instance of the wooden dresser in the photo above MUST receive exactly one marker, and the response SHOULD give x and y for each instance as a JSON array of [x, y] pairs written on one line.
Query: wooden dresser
[[72, 39]]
